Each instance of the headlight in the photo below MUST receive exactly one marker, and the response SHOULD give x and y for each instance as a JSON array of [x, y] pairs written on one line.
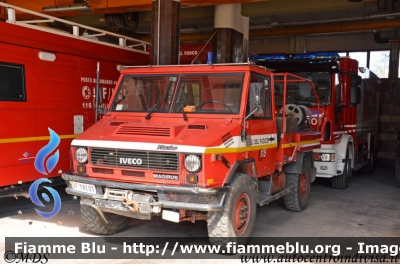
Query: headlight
[[81, 155], [325, 157], [192, 163]]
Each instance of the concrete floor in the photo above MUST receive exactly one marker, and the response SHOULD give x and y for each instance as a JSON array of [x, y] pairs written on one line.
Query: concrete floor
[[368, 208]]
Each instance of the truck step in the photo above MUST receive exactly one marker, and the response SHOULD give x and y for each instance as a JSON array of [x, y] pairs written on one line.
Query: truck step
[[275, 196]]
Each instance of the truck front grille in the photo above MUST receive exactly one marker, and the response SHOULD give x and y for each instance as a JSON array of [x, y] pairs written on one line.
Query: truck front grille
[[134, 159]]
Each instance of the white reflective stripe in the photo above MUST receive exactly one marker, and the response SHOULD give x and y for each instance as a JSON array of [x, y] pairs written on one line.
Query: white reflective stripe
[[134, 145], [233, 142], [349, 125], [338, 132]]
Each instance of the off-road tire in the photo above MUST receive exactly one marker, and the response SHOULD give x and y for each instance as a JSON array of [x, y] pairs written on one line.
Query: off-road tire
[[397, 170], [297, 200], [221, 224], [95, 223], [340, 181]]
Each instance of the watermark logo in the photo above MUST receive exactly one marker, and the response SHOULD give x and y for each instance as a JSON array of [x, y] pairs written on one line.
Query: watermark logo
[[11, 256], [33, 193], [45, 151], [50, 165]]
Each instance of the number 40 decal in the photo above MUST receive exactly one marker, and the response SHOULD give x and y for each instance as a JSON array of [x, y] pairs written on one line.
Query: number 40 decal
[[263, 153]]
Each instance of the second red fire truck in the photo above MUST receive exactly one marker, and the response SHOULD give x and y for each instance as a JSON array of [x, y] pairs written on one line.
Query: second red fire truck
[[349, 108]]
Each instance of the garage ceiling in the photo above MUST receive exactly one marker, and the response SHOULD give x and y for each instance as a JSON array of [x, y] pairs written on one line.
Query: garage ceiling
[[265, 16]]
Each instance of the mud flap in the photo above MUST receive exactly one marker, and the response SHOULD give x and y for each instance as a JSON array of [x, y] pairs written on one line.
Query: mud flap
[[295, 167]]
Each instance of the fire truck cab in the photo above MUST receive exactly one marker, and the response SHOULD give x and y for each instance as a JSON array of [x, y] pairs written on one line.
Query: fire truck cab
[[195, 142]]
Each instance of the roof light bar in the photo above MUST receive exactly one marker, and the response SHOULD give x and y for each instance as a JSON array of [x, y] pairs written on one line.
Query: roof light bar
[[309, 56]]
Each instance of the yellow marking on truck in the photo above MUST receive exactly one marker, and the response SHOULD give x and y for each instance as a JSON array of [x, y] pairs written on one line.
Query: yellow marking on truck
[[28, 139], [309, 142], [241, 149], [301, 143]]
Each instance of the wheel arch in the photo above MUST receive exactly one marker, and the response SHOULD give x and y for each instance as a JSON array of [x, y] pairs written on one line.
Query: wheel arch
[[296, 167], [341, 149], [247, 166]]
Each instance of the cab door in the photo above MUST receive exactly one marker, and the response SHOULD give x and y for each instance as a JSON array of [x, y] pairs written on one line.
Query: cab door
[[261, 132]]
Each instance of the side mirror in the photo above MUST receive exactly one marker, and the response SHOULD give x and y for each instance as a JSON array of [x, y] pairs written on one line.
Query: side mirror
[[254, 105], [255, 96], [355, 95], [393, 90], [355, 80], [102, 111]]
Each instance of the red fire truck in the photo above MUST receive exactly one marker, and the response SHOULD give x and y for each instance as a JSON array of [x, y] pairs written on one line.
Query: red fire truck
[[195, 142], [47, 80], [348, 113]]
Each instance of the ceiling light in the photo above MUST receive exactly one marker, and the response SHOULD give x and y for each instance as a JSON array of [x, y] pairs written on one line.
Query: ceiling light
[[66, 8]]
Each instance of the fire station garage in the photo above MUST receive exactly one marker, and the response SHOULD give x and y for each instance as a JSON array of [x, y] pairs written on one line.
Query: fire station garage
[[224, 123]]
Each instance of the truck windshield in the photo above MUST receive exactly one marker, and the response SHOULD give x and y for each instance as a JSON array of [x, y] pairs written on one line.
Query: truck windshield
[[214, 93], [302, 93], [144, 93]]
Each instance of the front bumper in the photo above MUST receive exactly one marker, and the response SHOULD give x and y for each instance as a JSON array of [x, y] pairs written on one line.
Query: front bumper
[[172, 197]]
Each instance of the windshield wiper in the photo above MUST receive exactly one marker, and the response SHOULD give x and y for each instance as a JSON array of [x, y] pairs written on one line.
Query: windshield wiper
[[181, 106], [148, 116]]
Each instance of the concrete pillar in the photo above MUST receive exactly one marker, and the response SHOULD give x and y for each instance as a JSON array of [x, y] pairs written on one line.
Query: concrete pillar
[[298, 44], [394, 62], [230, 43], [165, 32]]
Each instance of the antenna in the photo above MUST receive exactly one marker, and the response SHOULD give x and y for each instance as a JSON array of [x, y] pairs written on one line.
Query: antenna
[[203, 47]]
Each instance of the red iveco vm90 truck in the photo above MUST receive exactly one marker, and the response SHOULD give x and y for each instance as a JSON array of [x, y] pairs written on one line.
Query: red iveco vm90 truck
[[195, 142]]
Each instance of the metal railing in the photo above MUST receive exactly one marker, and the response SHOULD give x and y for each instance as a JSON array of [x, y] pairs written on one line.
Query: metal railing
[[124, 42]]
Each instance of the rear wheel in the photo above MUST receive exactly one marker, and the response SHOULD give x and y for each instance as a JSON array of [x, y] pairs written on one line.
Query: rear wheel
[[340, 181], [235, 222], [298, 199], [95, 223]]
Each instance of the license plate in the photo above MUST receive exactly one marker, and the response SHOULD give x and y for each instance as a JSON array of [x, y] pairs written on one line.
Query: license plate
[[170, 216], [87, 188]]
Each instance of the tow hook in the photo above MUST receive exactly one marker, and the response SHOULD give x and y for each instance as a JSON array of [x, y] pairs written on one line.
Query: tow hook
[[133, 206]]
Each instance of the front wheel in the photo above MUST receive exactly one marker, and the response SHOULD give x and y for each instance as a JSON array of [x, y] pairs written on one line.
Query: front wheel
[[235, 222], [340, 181], [298, 199], [95, 222]]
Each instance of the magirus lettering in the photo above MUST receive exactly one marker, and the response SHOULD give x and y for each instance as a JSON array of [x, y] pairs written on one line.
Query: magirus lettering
[[130, 161], [166, 176]]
